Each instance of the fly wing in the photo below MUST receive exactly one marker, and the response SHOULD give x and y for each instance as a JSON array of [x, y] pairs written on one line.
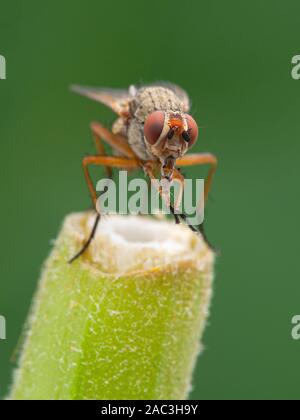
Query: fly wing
[[116, 99]]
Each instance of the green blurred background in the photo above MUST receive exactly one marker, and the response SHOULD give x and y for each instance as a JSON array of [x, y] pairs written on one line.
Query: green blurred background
[[234, 59]]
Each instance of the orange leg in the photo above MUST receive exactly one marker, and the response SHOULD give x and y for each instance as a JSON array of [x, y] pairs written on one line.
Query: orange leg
[[106, 161], [148, 169], [178, 177], [117, 142], [100, 149], [201, 159]]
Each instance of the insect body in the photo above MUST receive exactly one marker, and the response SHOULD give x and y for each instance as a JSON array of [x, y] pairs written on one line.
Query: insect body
[[153, 131]]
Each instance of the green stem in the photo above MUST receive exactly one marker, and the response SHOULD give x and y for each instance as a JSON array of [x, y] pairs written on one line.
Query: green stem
[[124, 321]]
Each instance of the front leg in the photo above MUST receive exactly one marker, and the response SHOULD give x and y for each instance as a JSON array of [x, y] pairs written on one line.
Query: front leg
[[202, 159], [148, 168]]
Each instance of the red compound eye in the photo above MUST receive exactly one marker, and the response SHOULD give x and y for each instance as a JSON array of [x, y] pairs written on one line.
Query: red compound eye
[[153, 127], [192, 130]]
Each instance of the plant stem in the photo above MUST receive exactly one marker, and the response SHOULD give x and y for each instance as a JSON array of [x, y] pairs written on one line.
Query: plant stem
[[122, 322]]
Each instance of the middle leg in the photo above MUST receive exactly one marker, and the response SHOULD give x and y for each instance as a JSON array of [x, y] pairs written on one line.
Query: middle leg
[[107, 161]]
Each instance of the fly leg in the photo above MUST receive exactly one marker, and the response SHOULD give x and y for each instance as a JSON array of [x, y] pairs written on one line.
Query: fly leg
[[148, 169], [202, 159], [117, 142], [106, 161]]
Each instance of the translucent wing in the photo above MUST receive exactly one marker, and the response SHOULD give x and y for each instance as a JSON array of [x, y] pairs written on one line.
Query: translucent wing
[[116, 99]]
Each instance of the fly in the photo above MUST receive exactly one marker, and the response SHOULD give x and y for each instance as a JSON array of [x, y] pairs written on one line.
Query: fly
[[153, 131]]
